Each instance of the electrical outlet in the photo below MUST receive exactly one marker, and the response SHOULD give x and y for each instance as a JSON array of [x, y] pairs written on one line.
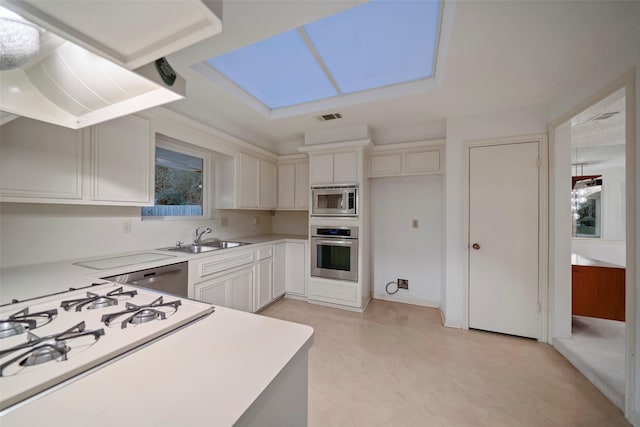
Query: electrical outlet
[[224, 221], [414, 223], [126, 226], [403, 284], [256, 220]]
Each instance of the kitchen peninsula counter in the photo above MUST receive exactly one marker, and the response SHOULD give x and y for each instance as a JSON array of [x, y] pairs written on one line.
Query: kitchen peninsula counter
[[232, 368], [34, 280]]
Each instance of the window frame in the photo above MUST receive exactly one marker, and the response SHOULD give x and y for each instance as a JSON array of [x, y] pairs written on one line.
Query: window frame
[[194, 151]]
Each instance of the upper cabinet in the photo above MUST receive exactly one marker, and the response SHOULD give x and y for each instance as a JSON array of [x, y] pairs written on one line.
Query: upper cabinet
[[40, 162], [122, 162], [108, 164], [293, 184], [329, 168], [415, 158], [245, 182]]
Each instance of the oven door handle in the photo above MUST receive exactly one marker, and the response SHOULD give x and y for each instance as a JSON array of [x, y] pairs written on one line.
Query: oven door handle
[[335, 242]]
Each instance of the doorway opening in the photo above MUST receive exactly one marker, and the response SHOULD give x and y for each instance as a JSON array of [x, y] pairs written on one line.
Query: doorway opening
[[597, 143]]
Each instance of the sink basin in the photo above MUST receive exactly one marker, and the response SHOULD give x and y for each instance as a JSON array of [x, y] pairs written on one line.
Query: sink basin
[[196, 249], [213, 245], [224, 244]]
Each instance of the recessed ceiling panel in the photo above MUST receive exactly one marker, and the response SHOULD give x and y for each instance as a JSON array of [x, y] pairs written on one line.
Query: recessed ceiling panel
[[279, 71], [379, 43]]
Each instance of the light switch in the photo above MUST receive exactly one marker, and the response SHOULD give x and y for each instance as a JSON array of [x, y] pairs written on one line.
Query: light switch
[[126, 226]]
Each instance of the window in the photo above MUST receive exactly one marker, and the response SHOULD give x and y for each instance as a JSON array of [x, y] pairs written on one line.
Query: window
[[585, 206], [373, 45], [181, 182]]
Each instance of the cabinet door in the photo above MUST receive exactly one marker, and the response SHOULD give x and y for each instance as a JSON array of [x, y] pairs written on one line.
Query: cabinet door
[[295, 275], [39, 161], [249, 185], [122, 162], [302, 186], [321, 169], [423, 162], [241, 290], [287, 186], [214, 292], [345, 167], [267, 185], [386, 164], [279, 269], [264, 280]]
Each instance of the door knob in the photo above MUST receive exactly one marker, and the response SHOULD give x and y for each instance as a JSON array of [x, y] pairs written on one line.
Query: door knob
[[475, 246]]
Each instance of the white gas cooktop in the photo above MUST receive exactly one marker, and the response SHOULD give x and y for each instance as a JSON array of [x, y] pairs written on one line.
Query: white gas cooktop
[[49, 340]]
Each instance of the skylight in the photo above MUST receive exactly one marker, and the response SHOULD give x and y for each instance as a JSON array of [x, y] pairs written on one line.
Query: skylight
[[377, 44]]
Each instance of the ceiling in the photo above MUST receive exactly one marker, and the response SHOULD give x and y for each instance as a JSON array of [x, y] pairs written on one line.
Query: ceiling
[[599, 144], [500, 55]]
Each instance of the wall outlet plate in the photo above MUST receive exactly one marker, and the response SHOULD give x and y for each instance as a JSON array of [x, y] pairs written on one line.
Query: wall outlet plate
[[403, 284]]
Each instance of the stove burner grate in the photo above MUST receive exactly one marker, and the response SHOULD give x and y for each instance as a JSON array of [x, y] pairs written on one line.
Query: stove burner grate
[[142, 314], [22, 321], [94, 301], [51, 347]]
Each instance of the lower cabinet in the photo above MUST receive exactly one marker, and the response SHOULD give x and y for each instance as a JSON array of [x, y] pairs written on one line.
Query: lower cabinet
[[290, 259], [264, 282], [234, 290]]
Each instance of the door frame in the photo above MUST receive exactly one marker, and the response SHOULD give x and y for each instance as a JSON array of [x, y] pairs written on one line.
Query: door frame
[[543, 224], [627, 82]]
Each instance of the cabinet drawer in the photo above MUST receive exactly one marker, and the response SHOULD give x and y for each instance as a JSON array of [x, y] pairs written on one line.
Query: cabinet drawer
[[223, 262], [266, 252]]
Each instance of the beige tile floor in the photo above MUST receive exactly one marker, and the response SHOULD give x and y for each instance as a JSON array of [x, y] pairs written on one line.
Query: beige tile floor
[[396, 365]]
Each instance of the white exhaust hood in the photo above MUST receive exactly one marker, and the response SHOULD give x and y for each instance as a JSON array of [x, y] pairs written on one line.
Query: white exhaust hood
[[74, 88], [85, 77]]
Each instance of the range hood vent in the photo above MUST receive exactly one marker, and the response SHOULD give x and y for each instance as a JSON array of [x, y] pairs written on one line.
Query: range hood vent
[[73, 87]]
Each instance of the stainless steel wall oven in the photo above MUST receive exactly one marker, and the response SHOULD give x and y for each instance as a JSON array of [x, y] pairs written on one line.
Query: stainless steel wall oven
[[334, 252]]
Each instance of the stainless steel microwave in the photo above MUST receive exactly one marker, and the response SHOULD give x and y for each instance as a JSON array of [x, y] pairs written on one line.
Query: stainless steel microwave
[[334, 200]]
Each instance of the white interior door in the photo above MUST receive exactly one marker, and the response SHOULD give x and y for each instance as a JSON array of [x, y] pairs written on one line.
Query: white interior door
[[503, 238]]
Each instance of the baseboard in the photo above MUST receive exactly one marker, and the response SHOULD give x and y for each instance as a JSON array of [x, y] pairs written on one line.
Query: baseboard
[[332, 305], [413, 301], [635, 418], [296, 297]]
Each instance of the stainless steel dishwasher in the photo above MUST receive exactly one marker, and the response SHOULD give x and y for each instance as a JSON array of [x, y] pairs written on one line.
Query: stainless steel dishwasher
[[172, 279]]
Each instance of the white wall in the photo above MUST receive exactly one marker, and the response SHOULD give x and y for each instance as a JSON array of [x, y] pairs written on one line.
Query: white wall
[[290, 222], [36, 233], [400, 251], [516, 122]]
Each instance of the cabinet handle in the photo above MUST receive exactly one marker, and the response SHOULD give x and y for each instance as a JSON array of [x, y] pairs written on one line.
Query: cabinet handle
[[475, 246]]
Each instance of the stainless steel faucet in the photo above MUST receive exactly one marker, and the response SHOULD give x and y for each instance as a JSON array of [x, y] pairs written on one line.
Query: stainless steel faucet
[[198, 234]]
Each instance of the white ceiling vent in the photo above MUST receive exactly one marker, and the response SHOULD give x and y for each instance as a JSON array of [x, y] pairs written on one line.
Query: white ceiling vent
[[331, 116]]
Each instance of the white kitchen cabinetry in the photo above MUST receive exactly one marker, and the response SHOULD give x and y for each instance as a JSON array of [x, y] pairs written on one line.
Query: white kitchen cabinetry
[[122, 162], [109, 164], [249, 177], [279, 270], [267, 185], [40, 162], [329, 168], [293, 185], [234, 290], [415, 158], [254, 186], [264, 277], [290, 259]]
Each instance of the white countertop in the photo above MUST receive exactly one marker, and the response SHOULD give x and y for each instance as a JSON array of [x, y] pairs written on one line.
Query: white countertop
[[31, 281], [206, 374]]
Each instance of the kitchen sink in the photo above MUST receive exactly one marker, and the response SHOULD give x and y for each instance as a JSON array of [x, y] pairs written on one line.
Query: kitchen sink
[[213, 245]]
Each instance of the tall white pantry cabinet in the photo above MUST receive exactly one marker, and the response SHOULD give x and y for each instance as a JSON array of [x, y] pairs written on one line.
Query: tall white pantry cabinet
[[107, 164]]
